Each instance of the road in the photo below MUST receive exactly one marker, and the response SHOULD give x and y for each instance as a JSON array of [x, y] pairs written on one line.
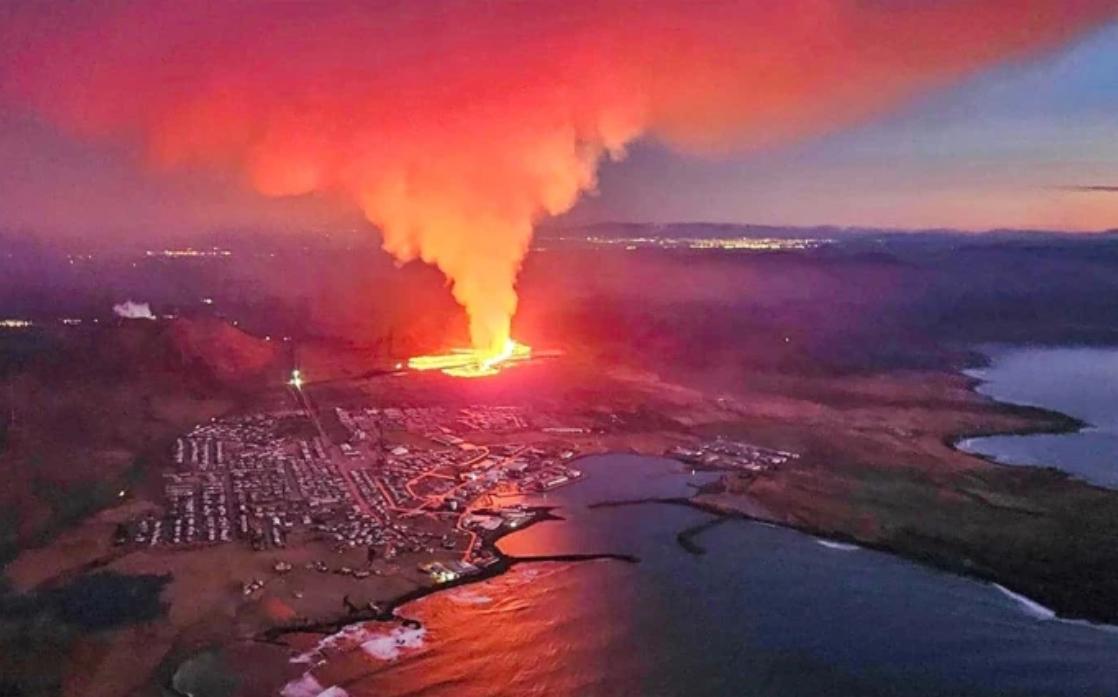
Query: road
[[334, 455], [439, 499]]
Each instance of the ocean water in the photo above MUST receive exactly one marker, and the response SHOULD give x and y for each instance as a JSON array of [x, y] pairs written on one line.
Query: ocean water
[[1080, 382], [766, 611]]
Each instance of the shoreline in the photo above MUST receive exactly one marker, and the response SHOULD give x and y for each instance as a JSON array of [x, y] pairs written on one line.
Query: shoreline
[[1058, 424], [1038, 420], [388, 611], [685, 538], [1045, 421], [1055, 422]]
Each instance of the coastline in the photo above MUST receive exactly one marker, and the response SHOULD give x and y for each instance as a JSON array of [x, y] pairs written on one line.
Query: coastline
[[927, 551], [387, 611], [1044, 421], [1040, 420], [1037, 421], [1054, 423], [723, 514]]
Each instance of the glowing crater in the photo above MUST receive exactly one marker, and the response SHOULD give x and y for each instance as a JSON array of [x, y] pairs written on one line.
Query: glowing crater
[[473, 363]]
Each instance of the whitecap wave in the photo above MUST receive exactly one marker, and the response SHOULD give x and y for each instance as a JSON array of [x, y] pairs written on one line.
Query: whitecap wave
[[967, 445], [308, 686], [840, 546], [389, 646], [305, 686], [348, 638], [1044, 614], [1030, 606]]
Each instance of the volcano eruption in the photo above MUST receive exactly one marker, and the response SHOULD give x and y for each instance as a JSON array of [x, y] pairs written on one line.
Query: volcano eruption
[[455, 127]]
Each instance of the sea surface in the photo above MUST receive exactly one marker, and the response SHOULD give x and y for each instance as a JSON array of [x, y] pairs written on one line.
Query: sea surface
[[1080, 382], [766, 611]]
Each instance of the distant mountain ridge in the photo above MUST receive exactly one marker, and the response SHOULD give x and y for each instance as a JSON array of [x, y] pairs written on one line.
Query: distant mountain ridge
[[721, 230]]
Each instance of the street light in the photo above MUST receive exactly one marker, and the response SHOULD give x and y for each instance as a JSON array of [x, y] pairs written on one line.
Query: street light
[[296, 380]]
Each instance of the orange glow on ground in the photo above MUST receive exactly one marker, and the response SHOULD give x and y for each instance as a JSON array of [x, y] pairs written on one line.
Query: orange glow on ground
[[472, 363]]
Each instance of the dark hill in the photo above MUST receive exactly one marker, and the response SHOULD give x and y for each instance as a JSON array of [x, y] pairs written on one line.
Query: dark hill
[[199, 353]]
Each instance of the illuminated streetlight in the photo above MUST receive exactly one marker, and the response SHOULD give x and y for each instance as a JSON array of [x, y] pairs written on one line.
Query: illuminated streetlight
[[296, 380]]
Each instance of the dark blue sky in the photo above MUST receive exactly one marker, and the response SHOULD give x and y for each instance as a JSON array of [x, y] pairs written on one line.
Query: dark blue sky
[[1004, 149]]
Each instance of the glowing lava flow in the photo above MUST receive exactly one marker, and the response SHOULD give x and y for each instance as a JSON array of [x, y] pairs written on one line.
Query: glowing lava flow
[[472, 363]]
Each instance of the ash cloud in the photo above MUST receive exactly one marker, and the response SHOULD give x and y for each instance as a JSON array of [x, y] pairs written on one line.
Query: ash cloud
[[456, 126]]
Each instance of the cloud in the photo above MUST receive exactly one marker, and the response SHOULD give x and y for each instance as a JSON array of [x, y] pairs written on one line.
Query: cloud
[[1092, 188], [455, 125]]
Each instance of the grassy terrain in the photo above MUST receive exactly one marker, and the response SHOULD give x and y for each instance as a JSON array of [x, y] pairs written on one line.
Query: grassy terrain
[[901, 487]]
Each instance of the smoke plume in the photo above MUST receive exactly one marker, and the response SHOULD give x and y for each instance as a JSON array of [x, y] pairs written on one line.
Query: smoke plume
[[455, 125], [133, 310]]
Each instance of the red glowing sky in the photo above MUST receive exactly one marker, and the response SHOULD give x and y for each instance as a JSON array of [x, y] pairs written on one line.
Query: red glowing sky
[[455, 127], [309, 94], [440, 119]]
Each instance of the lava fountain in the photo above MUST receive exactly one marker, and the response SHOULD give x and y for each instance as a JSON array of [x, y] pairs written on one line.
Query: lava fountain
[[473, 363], [455, 127]]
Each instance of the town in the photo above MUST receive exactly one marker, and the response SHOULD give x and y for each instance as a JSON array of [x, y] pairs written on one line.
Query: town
[[389, 481], [723, 454]]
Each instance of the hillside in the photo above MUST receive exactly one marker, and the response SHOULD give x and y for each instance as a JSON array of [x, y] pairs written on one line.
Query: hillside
[[91, 414]]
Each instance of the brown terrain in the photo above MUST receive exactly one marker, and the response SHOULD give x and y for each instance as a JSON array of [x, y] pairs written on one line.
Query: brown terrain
[[877, 467]]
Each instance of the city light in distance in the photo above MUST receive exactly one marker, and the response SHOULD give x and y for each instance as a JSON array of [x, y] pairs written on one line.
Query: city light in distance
[[751, 244], [189, 253]]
